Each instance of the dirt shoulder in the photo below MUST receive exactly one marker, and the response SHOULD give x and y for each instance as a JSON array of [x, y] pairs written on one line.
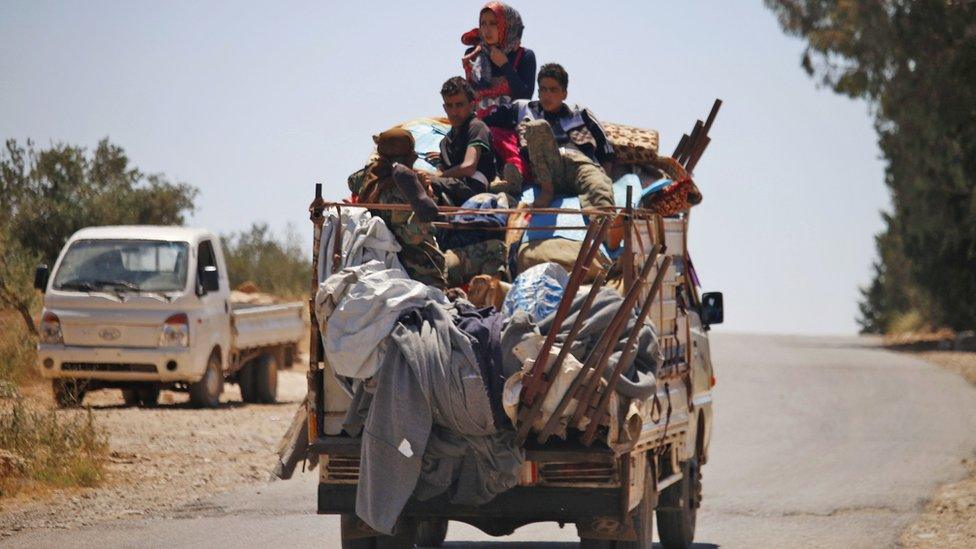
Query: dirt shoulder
[[166, 458], [949, 520]]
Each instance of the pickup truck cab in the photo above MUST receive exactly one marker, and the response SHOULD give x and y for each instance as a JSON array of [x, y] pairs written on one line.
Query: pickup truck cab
[[143, 308]]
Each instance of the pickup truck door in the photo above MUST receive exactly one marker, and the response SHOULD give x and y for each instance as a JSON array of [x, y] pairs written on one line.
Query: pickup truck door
[[214, 326]]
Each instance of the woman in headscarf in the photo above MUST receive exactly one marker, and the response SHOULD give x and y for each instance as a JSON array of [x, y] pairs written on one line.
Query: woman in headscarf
[[500, 70]]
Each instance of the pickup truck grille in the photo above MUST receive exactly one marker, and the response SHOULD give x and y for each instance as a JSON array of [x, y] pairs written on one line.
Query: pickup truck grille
[[574, 473], [109, 367], [342, 469]]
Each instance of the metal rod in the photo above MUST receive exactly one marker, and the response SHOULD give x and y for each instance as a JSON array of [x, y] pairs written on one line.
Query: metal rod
[[628, 259], [692, 142], [314, 335], [553, 420], [534, 381], [456, 210], [629, 349], [600, 354], [337, 243], [590, 242], [681, 146]]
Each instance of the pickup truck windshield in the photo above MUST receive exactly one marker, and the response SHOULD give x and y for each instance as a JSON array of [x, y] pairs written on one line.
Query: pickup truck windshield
[[123, 265]]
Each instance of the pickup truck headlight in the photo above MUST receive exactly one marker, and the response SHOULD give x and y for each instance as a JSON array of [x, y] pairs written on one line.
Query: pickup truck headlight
[[176, 331], [50, 329]]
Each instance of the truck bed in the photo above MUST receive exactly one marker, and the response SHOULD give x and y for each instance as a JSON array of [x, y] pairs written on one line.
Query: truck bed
[[264, 325]]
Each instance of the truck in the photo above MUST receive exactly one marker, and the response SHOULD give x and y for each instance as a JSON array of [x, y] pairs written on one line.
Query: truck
[[146, 308], [611, 492]]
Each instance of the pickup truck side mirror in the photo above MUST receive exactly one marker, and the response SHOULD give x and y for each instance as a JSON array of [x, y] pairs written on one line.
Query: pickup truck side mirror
[[712, 309], [40, 277], [209, 280]]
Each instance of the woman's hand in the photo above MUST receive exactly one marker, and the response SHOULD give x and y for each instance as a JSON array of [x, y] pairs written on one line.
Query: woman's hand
[[498, 57]]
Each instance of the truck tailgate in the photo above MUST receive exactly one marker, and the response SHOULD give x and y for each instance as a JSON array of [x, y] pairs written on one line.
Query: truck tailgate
[[263, 325]]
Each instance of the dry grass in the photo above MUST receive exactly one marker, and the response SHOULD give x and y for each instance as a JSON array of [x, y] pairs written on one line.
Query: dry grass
[[40, 448], [949, 520], [43, 448]]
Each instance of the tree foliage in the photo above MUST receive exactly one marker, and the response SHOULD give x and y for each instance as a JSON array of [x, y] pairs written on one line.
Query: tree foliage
[[915, 62], [277, 266], [46, 195]]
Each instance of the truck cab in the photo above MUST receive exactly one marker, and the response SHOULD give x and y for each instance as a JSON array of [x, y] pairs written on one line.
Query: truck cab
[[140, 308]]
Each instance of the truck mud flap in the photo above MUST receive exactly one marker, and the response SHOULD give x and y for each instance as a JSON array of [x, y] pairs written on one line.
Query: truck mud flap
[[521, 502]]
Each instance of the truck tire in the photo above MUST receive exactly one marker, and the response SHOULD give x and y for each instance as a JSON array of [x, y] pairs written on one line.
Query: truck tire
[[643, 517], [431, 533], [402, 538], [206, 392], [130, 397], [265, 371], [141, 395], [245, 380], [68, 393], [677, 528], [149, 395]]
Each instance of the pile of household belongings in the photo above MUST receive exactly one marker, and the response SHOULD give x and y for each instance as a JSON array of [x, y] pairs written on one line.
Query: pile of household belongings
[[436, 383]]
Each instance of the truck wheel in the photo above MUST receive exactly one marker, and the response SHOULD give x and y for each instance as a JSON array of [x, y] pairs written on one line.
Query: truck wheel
[[346, 524], [677, 528], [245, 380], [131, 397], [206, 392], [643, 517], [431, 533], [149, 395], [403, 536], [265, 370], [68, 393]]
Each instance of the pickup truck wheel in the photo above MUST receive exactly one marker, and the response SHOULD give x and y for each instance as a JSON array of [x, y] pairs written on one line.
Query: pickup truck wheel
[[403, 536], [431, 533], [68, 393], [677, 527], [265, 370], [245, 380], [346, 524], [130, 397], [149, 396], [643, 517], [206, 392]]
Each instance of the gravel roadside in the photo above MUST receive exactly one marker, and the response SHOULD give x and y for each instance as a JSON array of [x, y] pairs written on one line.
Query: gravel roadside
[[165, 459], [949, 520]]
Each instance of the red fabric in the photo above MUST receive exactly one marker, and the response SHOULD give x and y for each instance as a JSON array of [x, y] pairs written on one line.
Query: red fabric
[[505, 144]]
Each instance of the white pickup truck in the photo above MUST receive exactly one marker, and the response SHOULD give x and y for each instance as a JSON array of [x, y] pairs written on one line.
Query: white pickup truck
[[143, 308]]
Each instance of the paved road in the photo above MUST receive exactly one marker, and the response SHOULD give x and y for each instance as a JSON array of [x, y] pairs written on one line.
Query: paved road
[[825, 442]]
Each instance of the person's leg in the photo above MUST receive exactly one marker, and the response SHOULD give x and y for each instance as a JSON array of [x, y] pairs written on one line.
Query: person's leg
[[547, 166], [420, 255], [451, 191], [587, 180]]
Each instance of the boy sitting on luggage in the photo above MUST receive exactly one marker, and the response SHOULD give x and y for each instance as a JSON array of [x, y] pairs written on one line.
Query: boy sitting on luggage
[[466, 163]]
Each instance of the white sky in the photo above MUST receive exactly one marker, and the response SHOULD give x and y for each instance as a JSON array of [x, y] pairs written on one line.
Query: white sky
[[253, 102]]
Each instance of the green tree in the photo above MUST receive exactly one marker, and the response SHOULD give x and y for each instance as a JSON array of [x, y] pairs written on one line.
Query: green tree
[[46, 195], [278, 266], [915, 62]]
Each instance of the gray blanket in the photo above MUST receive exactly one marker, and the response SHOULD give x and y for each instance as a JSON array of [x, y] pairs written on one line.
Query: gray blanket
[[638, 380], [429, 427]]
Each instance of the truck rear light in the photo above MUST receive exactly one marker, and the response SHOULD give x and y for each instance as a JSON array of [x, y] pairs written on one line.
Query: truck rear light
[[176, 331], [50, 329]]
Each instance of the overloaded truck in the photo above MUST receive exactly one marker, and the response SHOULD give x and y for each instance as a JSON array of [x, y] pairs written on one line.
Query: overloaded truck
[[146, 308], [616, 462]]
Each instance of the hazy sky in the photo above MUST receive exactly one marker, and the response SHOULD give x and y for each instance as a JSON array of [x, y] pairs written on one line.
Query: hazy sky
[[253, 102]]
